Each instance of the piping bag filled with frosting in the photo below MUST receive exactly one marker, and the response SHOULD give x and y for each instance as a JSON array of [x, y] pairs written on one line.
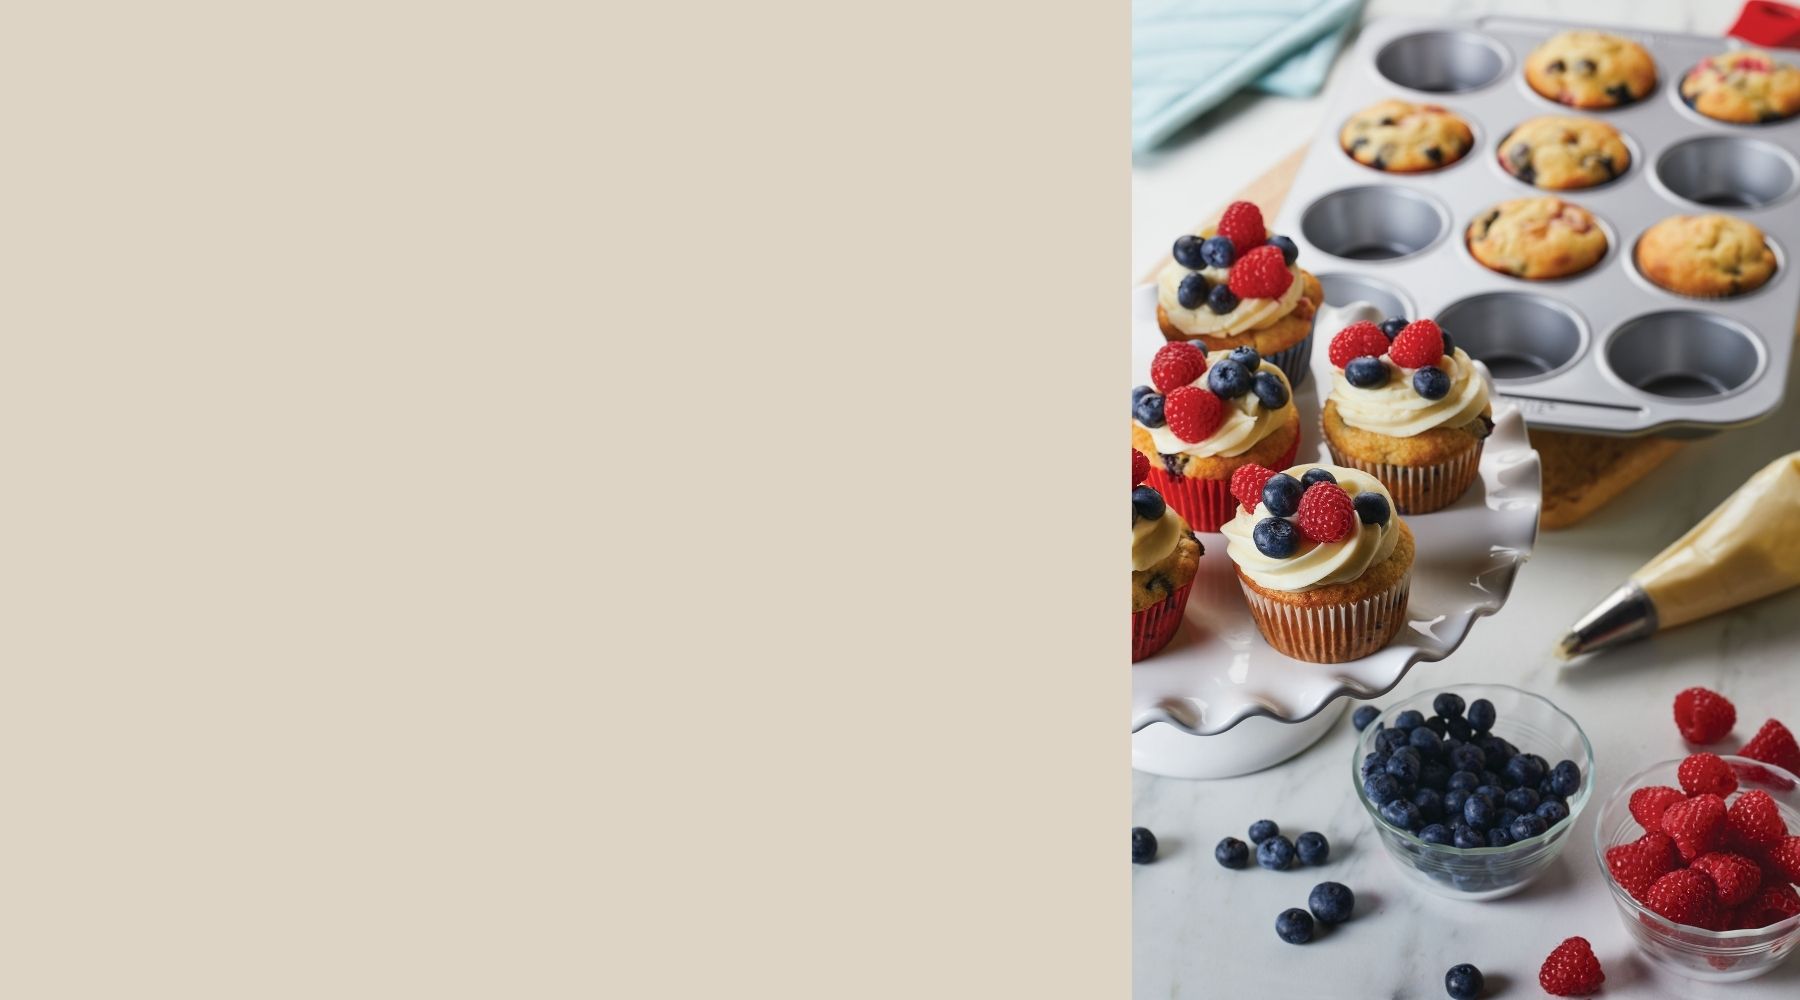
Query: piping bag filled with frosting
[[1721, 563]]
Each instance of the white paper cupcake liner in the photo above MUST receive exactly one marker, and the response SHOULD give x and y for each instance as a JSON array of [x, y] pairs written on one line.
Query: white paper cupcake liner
[[1331, 633], [1420, 489]]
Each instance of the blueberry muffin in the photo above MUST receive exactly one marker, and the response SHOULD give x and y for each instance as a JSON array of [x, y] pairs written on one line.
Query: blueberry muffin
[[1705, 256], [1405, 138], [1746, 87], [1561, 154], [1590, 69], [1537, 238]]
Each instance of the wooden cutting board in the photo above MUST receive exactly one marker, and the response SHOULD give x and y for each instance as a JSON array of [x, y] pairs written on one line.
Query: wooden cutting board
[[1582, 472]]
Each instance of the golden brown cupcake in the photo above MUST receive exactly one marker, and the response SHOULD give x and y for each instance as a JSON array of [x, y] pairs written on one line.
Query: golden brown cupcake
[[1537, 238], [1590, 69], [1746, 86], [1561, 154], [1405, 138], [1705, 256]]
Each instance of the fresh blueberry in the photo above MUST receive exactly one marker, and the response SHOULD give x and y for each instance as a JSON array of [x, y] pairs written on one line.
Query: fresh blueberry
[[1507, 815], [1143, 845], [1221, 300], [1391, 327], [1192, 291], [1312, 847], [1270, 390], [1466, 836], [1276, 853], [1429, 382], [1542, 764], [1389, 740], [1218, 252], [1383, 788], [1275, 537], [1478, 811], [1425, 741], [1436, 833], [1448, 705], [1468, 781], [1494, 793], [1364, 715], [1409, 720], [1366, 373], [1453, 802], [1187, 252], [1289, 251], [1146, 503], [1402, 814], [1281, 495], [1247, 357], [1404, 764], [1371, 508], [1436, 724], [1148, 409], [1232, 853], [1294, 926], [1449, 345], [1375, 763], [1434, 774], [1565, 779], [1459, 727], [1228, 379], [1527, 826], [1313, 476], [1139, 392], [1522, 770], [1430, 803], [1331, 902], [1463, 982], [1469, 758], [1545, 791], [1481, 714], [1523, 799], [1499, 837], [1493, 750], [1552, 811], [1262, 830]]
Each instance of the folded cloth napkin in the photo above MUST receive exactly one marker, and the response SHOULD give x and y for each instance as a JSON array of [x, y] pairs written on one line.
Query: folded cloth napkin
[[1188, 55]]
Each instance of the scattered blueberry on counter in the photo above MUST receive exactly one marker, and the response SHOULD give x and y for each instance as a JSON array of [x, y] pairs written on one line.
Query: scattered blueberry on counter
[[1232, 853], [1331, 902], [1463, 982], [1275, 853], [1143, 845], [1295, 926], [1262, 830], [1312, 848]]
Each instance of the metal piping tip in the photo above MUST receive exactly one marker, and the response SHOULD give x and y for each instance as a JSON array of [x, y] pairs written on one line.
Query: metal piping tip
[[1624, 615]]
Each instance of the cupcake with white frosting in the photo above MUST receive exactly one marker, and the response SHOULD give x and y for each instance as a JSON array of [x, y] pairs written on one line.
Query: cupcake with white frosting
[[1324, 561], [1203, 417], [1408, 407], [1164, 558], [1236, 285]]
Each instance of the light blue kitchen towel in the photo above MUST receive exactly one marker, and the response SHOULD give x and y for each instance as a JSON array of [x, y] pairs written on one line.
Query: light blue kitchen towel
[[1188, 55]]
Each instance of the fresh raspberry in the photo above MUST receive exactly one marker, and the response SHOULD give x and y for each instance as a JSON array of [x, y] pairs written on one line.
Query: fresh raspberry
[[1418, 344], [1175, 365], [1242, 224], [1649, 803], [1704, 773], [1636, 866], [1260, 274], [1735, 878], [1685, 896], [1326, 513], [1358, 340], [1193, 413], [1695, 825], [1140, 467], [1773, 744], [1754, 819], [1703, 716], [1771, 904], [1785, 856], [1247, 483], [1571, 970]]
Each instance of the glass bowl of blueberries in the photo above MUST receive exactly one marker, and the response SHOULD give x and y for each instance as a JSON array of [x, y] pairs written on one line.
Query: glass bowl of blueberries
[[1474, 789]]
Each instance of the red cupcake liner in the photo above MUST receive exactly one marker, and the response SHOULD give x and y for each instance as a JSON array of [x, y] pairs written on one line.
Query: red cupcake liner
[[1205, 504], [1153, 627]]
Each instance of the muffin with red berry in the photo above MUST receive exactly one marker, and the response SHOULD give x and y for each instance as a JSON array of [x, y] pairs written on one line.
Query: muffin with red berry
[[1408, 407], [1235, 285], [1323, 559], [1164, 557], [1205, 416]]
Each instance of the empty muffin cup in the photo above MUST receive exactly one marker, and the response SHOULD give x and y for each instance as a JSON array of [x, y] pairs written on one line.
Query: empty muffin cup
[[1373, 223], [1684, 354], [1727, 171], [1519, 336], [1343, 289], [1441, 62]]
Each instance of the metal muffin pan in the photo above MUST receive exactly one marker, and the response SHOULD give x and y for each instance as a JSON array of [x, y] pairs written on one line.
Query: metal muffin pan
[[1605, 351]]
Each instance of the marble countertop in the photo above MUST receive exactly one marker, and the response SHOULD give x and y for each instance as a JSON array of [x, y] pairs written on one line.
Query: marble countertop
[[1201, 931]]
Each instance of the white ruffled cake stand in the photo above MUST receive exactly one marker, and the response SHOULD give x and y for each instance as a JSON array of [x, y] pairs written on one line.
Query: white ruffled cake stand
[[1219, 701]]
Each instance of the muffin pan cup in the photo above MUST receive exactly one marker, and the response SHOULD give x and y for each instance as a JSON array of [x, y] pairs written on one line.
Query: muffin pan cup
[[1605, 351]]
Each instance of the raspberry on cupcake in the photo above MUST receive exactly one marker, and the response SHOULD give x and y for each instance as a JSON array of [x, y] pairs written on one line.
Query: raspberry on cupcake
[[1203, 417], [1236, 285], [1413, 412], [1164, 557], [1324, 561]]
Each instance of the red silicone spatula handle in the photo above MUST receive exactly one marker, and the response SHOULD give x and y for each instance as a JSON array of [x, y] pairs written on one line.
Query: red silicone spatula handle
[[1764, 22]]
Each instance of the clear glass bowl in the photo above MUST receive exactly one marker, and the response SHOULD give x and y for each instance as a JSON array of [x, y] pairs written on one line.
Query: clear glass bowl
[[1532, 724], [1711, 956]]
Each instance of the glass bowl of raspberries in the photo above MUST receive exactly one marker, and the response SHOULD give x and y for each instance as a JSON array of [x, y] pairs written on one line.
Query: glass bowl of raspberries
[[1702, 858], [1473, 789]]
